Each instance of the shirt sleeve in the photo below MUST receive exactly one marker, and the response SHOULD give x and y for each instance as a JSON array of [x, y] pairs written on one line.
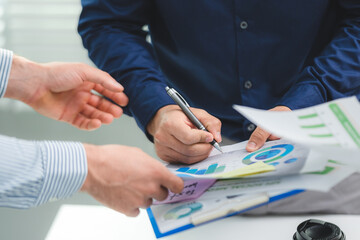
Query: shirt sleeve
[[335, 72], [5, 67], [112, 33], [35, 172]]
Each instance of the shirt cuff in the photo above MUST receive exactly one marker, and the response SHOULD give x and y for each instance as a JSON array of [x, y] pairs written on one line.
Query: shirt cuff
[[147, 102], [65, 170], [5, 67]]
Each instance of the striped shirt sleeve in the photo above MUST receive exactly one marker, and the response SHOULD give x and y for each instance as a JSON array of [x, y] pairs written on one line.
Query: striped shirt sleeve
[[35, 172], [5, 66]]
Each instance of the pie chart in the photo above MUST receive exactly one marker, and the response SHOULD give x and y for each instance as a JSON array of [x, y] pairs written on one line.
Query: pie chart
[[269, 154]]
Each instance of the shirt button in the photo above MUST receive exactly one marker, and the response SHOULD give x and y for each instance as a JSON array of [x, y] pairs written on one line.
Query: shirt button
[[251, 127], [248, 84], [243, 25]]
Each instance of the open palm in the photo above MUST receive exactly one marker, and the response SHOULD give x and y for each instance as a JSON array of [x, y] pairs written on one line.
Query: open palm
[[68, 95]]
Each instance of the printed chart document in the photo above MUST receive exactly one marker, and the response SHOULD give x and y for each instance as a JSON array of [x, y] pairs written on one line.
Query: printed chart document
[[319, 148], [275, 158], [228, 197], [332, 128]]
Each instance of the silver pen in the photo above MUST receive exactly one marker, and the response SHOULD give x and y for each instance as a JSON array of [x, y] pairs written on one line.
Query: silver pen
[[179, 100]]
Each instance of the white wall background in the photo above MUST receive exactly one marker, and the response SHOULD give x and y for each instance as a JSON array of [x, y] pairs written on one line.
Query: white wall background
[[43, 31]]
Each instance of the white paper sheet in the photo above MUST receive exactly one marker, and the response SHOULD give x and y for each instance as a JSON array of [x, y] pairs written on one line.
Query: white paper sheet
[[332, 128], [172, 216], [286, 157]]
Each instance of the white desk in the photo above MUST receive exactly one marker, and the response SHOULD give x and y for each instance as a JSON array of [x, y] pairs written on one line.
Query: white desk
[[97, 222]]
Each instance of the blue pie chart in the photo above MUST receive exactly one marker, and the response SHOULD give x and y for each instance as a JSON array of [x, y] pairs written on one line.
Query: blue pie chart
[[269, 154]]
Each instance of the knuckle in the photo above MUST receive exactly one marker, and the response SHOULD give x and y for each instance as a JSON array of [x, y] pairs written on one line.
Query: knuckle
[[188, 139], [216, 121], [166, 124]]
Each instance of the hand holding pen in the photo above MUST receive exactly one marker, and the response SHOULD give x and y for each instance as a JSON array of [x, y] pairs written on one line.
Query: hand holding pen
[[178, 140], [186, 109]]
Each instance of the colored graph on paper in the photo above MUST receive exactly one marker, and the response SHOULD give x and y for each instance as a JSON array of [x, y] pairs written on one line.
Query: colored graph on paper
[[280, 157], [334, 123], [213, 168]]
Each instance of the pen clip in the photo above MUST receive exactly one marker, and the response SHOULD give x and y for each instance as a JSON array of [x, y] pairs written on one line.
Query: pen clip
[[181, 98]]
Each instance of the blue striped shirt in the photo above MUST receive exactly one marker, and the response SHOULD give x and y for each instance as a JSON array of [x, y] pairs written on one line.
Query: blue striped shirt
[[35, 172]]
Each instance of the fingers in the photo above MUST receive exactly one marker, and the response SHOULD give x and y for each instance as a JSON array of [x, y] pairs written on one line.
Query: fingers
[[259, 136], [105, 106], [172, 182], [172, 156], [176, 138], [100, 77], [257, 139], [93, 113], [190, 136], [131, 213], [161, 194], [273, 137], [211, 123], [118, 97], [85, 123]]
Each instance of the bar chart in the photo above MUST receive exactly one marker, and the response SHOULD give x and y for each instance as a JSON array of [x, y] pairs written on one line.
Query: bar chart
[[213, 168]]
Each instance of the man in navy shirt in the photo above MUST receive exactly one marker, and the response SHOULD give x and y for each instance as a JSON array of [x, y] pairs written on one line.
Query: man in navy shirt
[[278, 55], [264, 54]]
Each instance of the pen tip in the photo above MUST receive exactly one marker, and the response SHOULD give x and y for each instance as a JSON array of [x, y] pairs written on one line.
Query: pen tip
[[217, 146]]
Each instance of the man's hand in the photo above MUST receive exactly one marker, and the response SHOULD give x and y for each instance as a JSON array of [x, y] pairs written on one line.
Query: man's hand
[[126, 179], [259, 136], [176, 139], [63, 91]]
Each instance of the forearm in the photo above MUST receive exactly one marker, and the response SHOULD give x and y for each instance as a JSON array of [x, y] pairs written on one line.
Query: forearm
[[24, 79], [35, 172], [117, 44]]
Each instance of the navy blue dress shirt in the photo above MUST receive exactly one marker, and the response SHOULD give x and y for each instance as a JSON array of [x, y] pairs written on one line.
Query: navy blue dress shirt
[[218, 53]]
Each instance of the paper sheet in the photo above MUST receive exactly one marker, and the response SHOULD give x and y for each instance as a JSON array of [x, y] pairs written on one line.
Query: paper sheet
[[275, 158], [173, 216], [193, 189], [331, 128]]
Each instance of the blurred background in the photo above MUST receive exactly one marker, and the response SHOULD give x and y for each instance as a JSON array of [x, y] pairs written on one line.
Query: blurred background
[[45, 31]]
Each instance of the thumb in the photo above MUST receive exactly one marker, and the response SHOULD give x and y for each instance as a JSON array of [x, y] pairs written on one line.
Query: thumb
[[100, 77], [173, 182], [257, 139]]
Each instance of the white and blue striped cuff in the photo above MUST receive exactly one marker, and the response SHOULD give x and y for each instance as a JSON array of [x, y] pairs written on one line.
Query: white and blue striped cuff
[[5, 67], [65, 169]]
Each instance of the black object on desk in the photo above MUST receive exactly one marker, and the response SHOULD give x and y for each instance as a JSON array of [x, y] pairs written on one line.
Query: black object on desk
[[313, 229]]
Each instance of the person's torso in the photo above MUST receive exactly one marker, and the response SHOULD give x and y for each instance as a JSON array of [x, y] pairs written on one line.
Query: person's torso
[[224, 52]]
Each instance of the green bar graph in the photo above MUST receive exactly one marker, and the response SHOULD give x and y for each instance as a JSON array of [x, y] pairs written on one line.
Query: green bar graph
[[321, 135], [350, 129], [308, 116], [314, 126]]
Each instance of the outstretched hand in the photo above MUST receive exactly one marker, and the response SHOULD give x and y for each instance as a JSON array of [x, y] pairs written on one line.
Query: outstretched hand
[[260, 136], [126, 179], [65, 92]]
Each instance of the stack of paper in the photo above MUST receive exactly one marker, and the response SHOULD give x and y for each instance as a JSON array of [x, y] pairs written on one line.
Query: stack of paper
[[237, 181]]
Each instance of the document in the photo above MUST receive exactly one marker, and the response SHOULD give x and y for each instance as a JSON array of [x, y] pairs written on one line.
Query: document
[[227, 197], [275, 158], [319, 147], [333, 128]]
